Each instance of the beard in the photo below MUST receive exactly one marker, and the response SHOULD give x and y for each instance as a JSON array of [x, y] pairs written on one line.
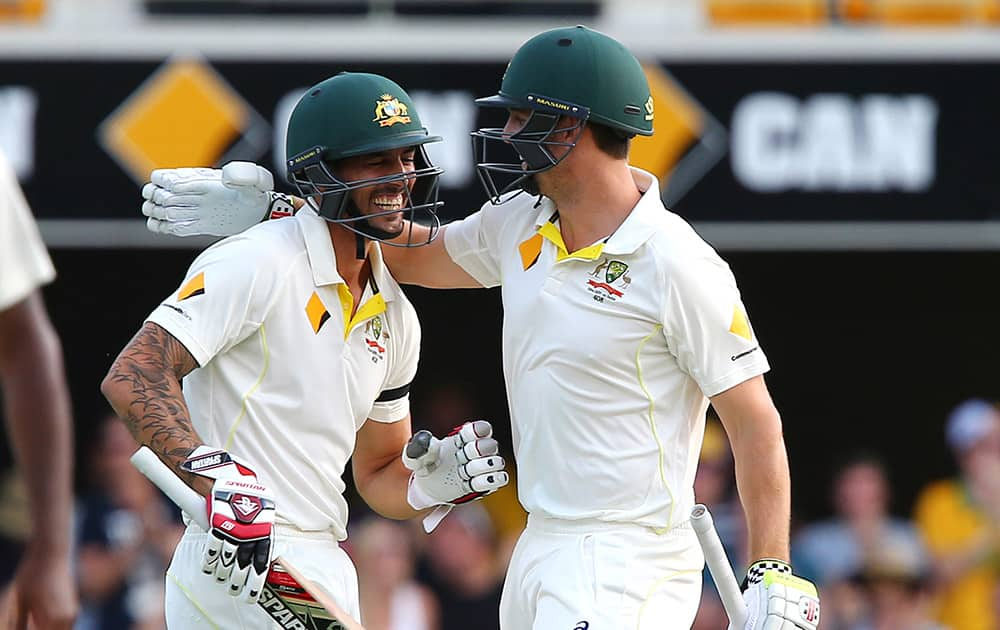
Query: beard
[[368, 228]]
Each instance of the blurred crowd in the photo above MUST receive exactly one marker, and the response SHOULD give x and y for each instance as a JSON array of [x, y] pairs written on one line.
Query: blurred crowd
[[934, 567]]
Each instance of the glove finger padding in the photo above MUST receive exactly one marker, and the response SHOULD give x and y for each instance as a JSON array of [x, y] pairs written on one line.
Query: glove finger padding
[[178, 228], [489, 483], [241, 569], [260, 564], [472, 431], [213, 547], [168, 176], [247, 174], [175, 179], [227, 558], [480, 448], [422, 451], [481, 466]]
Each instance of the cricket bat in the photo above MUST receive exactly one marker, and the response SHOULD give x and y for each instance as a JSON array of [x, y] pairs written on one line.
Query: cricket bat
[[718, 566], [288, 596]]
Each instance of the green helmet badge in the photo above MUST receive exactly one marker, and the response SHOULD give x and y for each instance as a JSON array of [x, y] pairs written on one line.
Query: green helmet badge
[[389, 111]]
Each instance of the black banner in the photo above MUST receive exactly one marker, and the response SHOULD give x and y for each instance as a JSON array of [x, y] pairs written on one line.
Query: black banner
[[734, 142]]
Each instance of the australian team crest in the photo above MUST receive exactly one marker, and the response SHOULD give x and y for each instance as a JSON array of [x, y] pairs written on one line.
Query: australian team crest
[[615, 280], [389, 111], [375, 335], [615, 270]]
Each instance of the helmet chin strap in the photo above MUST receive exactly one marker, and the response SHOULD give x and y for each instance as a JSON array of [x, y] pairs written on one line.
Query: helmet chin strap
[[530, 185]]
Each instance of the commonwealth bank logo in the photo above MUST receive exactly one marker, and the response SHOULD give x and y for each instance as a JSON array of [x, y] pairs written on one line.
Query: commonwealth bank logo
[[687, 141], [184, 114]]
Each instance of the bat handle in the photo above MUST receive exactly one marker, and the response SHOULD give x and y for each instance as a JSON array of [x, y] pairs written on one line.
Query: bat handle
[[718, 566], [192, 503]]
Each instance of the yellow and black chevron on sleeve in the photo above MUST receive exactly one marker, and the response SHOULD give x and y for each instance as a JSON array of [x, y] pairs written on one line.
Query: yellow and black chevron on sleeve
[[194, 286], [316, 312]]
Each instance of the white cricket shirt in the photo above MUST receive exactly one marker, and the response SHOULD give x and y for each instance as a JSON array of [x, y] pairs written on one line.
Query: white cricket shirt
[[24, 263], [609, 354], [287, 376]]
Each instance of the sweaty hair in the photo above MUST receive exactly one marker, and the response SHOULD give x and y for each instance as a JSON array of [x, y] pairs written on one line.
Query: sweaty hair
[[610, 141]]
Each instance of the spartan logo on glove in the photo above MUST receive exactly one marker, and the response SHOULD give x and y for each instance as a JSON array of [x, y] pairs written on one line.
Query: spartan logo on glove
[[245, 508]]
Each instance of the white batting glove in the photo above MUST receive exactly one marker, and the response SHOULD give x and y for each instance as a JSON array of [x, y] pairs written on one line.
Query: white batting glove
[[241, 515], [778, 600], [462, 467], [217, 202]]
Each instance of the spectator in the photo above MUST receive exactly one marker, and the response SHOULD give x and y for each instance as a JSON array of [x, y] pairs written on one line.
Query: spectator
[[390, 598], [838, 548], [464, 571], [896, 587], [37, 410], [128, 531], [834, 551], [960, 517]]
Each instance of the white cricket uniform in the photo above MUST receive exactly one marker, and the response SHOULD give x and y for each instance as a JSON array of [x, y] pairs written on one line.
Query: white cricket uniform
[[609, 355], [287, 378], [24, 263]]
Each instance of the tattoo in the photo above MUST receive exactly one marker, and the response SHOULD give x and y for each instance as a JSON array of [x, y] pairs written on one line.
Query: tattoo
[[147, 375]]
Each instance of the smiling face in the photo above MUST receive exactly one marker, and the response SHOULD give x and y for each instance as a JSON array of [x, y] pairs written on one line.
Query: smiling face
[[383, 202]]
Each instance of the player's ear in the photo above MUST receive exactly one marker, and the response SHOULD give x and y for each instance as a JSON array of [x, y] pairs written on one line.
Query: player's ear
[[573, 129]]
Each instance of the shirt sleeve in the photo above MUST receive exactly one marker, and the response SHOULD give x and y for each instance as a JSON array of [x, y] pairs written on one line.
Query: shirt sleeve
[[474, 244], [24, 263], [224, 298], [706, 324], [393, 403]]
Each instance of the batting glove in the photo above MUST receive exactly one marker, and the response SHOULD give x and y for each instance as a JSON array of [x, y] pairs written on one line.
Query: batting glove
[[209, 201], [462, 467], [241, 515], [778, 600]]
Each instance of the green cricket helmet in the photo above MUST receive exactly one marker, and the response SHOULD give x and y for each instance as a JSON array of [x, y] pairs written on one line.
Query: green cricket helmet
[[573, 72], [354, 114]]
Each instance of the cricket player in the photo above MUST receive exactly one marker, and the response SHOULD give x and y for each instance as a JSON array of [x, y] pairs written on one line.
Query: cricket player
[[38, 419], [621, 325], [297, 348]]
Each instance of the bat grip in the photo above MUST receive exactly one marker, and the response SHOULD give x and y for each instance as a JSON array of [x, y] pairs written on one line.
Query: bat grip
[[718, 566], [192, 503]]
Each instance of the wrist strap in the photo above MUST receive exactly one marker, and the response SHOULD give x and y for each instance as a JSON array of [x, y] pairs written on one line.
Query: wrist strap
[[419, 500], [215, 463], [755, 574]]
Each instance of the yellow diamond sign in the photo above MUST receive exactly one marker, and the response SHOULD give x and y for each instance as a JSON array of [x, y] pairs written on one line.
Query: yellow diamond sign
[[184, 115], [687, 141]]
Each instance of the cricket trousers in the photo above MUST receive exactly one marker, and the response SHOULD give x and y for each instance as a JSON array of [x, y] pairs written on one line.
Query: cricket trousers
[[195, 600], [594, 575]]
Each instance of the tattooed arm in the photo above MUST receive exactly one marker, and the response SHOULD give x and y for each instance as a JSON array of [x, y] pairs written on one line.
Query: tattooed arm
[[144, 388]]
